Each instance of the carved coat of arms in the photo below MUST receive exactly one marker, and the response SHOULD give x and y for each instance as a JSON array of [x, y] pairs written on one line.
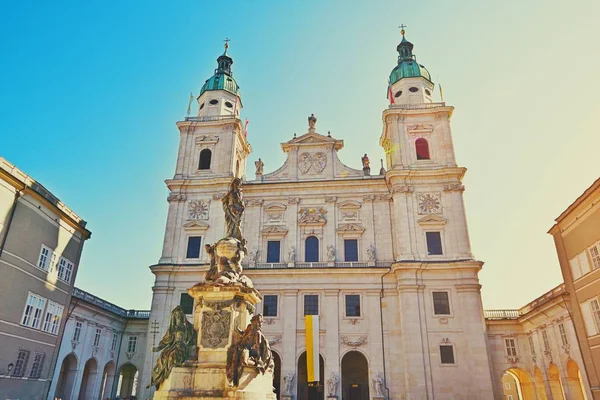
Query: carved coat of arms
[[215, 329]]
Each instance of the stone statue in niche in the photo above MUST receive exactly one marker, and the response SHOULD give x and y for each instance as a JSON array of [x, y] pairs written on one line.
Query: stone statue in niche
[[178, 345], [288, 379], [227, 254], [330, 253], [251, 350], [332, 384], [371, 253], [378, 386], [292, 254], [259, 166]]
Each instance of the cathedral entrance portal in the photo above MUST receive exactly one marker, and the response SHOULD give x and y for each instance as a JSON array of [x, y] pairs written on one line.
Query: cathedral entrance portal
[[306, 392], [355, 376]]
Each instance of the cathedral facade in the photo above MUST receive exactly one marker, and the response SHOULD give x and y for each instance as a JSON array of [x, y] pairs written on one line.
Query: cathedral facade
[[381, 256]]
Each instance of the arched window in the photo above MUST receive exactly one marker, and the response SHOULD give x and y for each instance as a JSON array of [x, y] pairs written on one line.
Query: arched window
[[205, 156], [422, 148], [311, 249]]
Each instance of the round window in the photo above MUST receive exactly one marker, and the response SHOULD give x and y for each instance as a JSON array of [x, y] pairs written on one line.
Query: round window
[[398, 93], [228, 104], [414, 89], [201, 106], [427, 92], [213, 102]]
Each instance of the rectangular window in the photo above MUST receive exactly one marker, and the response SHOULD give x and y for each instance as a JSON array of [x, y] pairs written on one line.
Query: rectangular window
[[187, 303], [37, 365], [132, 344], [115, 340], [270, 305], [77, 331], [97, 337], [447, 354], [546, 342], [352, 305], [511, 348], [595, 253], [563, 334], [311, 304], [273, 251], [434, 243], [595, 307], [52, 318], [350, 249], [65, 269], [46, 255], [441, 303], [20, 363], [193, 247], [32, 315], [531, 346]]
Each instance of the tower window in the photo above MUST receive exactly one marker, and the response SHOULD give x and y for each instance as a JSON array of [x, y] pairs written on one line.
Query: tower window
[[228, 104], [398, 93], [205, 156], [414, 89], [193, 247], [311, 250], [213, 102], [427, 92], [434, 243], [187, 303], [447, 354], [422, 148], [201, 106]]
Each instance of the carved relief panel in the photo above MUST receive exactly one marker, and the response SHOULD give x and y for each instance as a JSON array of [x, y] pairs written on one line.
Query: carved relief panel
[[274, 213], [312, 162], [349, 211]]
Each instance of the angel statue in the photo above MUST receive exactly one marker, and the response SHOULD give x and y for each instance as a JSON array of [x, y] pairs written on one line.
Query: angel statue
[[178, 345], [251, 350]]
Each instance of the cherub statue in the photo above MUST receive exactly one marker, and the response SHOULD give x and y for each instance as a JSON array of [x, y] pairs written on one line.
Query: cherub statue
[[178, 345]]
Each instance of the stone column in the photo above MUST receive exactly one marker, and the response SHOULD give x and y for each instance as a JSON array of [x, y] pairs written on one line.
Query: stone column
[[331, 346], [401, 222]]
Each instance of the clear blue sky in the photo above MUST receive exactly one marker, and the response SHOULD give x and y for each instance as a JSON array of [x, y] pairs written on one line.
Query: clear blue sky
[[91, 92]]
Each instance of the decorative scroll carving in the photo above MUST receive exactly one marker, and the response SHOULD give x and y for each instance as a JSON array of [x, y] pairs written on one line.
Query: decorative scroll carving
[[402, 189], [350, 228], [294, 200], [275, 230], [383, 197], [330, 199], [215, 329], [454, 187], [351, 215], [198, 209], [312, 216], [429, 203], [206, 139], [360, 341], [174, 197], [253, 202], [369, 197], [269, 321], [219, 305]]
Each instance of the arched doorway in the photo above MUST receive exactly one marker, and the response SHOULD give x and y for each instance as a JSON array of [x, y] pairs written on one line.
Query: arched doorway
[[523, 385], [277, 374], [108, 377], [305, 392], [574, 381], [540, 388], [355, 376], [128, 381], [66, 378], [554, 381], [90, 371]]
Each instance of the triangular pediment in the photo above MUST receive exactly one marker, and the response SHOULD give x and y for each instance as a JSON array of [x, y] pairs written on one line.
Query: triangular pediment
[[275, 207], [196, 225], [349, 205], [312, 139], [432, 220]]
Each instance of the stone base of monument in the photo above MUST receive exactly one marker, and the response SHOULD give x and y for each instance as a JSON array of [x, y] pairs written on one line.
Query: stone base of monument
[[220, 313]]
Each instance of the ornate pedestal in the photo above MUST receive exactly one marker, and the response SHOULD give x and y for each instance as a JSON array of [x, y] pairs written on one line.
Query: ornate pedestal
[[220, 313]]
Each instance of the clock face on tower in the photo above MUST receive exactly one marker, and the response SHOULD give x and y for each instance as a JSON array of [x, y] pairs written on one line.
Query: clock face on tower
[[198, 209], [429, 203]]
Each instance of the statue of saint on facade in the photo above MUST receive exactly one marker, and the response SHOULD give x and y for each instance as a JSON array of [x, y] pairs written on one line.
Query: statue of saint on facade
[[292, 254], [371, 253], [330, 253], [288, 379], [227, 254], [332, 384], [365, 161], [178, 345], [251, 350], [312, 121], [378, 386], [259, 166]]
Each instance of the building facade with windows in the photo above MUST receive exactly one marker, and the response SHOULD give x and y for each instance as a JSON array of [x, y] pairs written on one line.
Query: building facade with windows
[[41, 241], [102, 351], [382, 256], [577, 239], [534, 352]]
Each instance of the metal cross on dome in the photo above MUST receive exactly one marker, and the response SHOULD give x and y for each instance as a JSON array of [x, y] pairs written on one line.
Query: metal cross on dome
[[402, 26], [227, 40]]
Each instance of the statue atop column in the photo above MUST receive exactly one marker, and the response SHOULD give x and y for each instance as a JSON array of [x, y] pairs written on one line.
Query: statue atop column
[[227, 254], [312, 122]]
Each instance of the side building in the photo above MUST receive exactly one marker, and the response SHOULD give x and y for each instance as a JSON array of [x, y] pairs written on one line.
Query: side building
[[102, 351], [577, 239], [41, 241], [534, 352]]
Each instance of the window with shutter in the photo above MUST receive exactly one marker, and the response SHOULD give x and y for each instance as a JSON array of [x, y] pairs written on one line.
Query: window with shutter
[[595, 254]]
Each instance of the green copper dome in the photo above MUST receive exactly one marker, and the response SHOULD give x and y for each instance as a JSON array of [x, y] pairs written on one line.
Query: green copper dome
[[222, 79], [407, 67]]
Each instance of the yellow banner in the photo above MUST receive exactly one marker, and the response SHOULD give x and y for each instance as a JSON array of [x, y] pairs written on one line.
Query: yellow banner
[[312, 347]]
